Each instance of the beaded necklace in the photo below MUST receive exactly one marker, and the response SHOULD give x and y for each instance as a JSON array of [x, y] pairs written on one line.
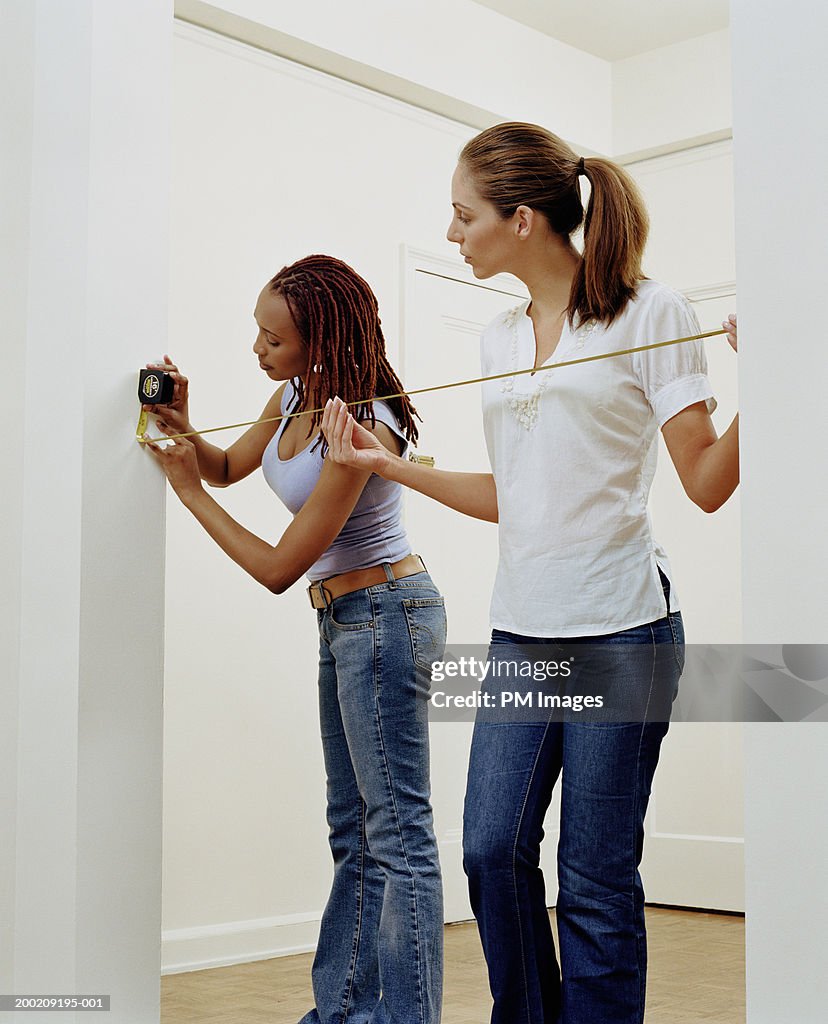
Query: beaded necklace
[[525, 407]]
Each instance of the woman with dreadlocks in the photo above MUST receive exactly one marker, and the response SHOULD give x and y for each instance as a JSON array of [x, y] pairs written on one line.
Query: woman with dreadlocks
[[379, 955]]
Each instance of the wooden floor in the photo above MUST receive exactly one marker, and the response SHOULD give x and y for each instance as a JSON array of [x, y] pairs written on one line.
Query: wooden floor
[[696, 975]]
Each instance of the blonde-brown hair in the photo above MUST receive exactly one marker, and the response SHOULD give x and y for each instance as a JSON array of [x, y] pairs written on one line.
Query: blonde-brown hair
[[516, 164]]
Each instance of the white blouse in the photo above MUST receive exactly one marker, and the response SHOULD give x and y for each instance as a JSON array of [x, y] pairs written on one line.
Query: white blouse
[[573, 451]]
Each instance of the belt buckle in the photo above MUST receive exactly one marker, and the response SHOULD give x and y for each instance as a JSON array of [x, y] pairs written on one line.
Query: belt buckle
[[322, 594]]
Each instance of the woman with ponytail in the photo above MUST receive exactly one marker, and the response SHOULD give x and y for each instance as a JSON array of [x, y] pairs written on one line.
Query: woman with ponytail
[[573, 454], [379, 956]]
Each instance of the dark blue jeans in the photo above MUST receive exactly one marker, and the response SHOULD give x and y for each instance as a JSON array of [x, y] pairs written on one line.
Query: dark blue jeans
[[606, 771]]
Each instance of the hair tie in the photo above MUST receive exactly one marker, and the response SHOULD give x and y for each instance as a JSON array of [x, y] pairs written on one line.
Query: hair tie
[[581, 167]]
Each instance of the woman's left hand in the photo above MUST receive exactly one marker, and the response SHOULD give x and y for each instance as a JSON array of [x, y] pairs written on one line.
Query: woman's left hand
[[730, 326], [179, 463]]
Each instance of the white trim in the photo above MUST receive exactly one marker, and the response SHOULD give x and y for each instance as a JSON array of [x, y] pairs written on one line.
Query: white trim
[[701, 293], [673, 152], [238, 942], [739, 840], [454, 323], [268, 42], [688, 154], [414, 260], [320, 79]]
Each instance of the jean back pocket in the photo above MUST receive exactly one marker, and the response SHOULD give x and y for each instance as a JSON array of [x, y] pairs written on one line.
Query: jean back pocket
[[426, 618]]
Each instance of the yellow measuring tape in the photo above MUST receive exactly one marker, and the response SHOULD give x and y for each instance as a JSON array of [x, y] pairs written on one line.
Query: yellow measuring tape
[[142, 421]]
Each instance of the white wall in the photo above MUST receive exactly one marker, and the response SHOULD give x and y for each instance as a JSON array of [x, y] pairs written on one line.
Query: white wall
[[85, 294], [17, 29], [271, 162], [672, 97], [458, 58], [781, 151], [475, 64]]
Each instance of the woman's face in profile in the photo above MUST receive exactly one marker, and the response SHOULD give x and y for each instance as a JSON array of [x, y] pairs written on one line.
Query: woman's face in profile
[[280, 348], [486, 240]]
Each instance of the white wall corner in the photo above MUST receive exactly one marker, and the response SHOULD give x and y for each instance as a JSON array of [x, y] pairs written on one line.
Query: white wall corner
[[672, 98]]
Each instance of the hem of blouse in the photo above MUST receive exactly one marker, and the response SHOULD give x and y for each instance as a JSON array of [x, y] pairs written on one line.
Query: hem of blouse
[[360, 565], [578, 631]]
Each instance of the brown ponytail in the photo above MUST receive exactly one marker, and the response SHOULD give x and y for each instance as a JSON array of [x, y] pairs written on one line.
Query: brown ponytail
[[516, 164]]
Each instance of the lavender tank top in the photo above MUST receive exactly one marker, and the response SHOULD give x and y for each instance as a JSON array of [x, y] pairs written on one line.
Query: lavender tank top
[[373, 532]]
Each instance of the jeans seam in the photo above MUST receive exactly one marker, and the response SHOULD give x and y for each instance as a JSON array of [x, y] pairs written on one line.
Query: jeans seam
[[377, 638], [676, 642], [636, 804], [514, 869], [359, 901]]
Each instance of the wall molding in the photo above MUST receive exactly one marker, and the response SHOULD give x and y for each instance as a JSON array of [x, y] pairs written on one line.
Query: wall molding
[[689, 152], [308, 74], [236, 942], [316, 58], [701, 293], [414, 261], [691, 837], [677, 149], [268, 40]]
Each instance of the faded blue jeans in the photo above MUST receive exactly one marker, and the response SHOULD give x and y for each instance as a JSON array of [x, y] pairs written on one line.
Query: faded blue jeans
[[607, 770], [380, 954]]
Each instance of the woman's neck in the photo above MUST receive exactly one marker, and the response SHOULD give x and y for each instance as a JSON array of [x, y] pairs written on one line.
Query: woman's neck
[[549, 275]]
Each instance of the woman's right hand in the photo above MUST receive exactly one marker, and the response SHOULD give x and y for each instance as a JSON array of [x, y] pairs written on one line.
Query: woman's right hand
[[176, 414], [349, 443], [731, 331]]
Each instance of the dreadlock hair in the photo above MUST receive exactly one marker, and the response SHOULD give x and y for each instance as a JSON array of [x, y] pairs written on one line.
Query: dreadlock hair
[[337, 315]]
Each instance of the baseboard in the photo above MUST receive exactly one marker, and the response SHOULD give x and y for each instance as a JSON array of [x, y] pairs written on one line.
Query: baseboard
[[237, 942]]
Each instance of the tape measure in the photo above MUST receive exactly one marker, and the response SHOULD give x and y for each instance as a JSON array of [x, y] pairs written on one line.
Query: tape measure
[[424, 459], [155, 387]]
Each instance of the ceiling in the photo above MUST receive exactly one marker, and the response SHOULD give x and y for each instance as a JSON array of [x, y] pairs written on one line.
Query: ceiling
[[614, 29]]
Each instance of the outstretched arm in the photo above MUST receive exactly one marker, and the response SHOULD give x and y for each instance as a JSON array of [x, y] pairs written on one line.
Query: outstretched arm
[[351, 444], [309, 535], [707, 465]]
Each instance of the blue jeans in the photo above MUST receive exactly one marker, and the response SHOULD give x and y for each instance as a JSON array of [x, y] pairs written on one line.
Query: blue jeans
[[380, 954], [607, 771]]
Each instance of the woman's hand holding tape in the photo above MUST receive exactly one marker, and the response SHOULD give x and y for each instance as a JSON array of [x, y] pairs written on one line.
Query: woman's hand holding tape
[[350, 443], [176, 414], [178, 461]]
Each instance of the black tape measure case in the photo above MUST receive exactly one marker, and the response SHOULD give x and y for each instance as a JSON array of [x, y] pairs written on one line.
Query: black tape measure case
[[155, 387]]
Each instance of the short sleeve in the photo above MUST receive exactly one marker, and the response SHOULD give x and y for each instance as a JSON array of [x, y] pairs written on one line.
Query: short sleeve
[[673, 377], [383, 413]]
